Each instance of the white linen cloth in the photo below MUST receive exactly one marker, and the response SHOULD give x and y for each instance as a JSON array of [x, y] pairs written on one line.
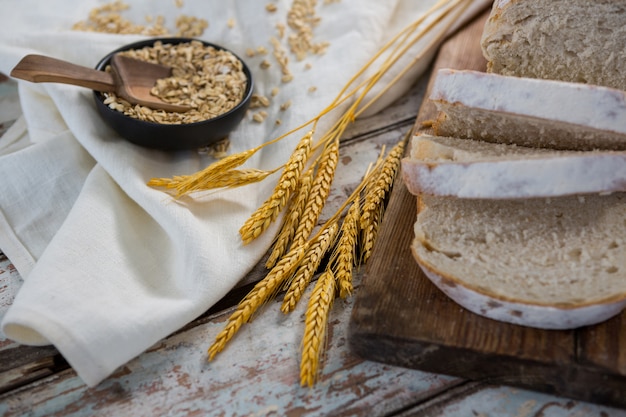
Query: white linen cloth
[[110, 265]]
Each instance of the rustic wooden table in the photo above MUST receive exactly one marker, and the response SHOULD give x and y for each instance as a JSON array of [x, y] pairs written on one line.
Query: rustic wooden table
[[258, 375]]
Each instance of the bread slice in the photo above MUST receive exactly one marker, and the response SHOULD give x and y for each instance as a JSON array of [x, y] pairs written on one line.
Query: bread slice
[[548, 263], [529, 112], [474, 169], [571, 40]]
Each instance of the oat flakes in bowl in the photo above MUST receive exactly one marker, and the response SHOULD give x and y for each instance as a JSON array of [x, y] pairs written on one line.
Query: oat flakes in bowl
[[213, 81]]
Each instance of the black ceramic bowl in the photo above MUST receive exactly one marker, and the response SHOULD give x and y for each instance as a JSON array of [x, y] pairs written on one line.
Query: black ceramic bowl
[[172, 136]]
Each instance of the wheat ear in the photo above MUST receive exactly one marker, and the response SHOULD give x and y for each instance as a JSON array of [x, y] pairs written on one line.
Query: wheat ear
[[377, 189], [257, 297], [185, 184], [291, 219], [315, 325], [260, 220], [311, 261], [346, 248], [384, 180], [319, 192], [237, 178]]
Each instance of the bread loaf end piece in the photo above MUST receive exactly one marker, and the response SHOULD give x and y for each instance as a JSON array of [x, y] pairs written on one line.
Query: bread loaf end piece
[[571, 40]]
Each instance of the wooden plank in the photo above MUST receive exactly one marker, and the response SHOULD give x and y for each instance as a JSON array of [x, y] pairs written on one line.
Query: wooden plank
[[602, 346], [402, 319]]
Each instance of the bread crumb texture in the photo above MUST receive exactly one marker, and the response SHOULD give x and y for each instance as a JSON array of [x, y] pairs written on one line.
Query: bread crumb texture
[[566, 251]]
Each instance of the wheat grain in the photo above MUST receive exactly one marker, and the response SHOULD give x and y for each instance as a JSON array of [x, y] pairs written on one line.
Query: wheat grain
[[260, 220], [319, 192], [257, 297], [346, 247], [315, 326], [311, 261], [291, 219]]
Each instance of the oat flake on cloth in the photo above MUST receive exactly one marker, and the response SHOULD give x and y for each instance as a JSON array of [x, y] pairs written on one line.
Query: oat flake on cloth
[[111, 266]]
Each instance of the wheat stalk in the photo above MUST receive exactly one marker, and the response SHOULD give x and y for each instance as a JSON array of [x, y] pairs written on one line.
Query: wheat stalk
[[311, 261], [260, 220], [291, 219], [315, 324], [377, 183], [257, 297]]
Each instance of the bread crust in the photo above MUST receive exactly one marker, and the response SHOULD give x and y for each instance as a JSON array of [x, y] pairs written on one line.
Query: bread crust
[[545, 174], [528, 112], [570, 40]]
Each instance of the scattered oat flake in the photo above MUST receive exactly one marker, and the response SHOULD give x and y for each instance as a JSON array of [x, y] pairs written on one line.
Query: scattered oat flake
[[179, 3], [250, 52], [285, 105], [265, 64], [261, 49], [312, 89], [231, 23], [271, 7], [258, 100], [259, 117], [280, 28], [275, 91]]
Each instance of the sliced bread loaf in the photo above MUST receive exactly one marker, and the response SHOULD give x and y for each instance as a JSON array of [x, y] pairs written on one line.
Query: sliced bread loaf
[[529, 112], [476, 169], [548, 263], [571, 40]]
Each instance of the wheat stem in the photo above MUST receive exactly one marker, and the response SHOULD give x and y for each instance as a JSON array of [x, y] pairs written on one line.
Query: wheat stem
[[402, 49]]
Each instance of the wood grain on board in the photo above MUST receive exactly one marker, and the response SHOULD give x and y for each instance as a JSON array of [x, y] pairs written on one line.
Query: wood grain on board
[[401, 318]]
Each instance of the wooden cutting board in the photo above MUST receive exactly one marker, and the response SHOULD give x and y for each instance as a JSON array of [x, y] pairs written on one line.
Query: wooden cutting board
[[400, 318]]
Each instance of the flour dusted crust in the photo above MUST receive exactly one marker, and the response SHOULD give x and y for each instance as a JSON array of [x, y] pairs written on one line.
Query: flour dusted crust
[[547, 263], [529, 112], [571, 40], [467, 168]]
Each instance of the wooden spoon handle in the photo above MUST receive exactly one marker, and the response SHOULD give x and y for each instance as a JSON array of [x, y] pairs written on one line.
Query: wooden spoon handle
[[43, 69]]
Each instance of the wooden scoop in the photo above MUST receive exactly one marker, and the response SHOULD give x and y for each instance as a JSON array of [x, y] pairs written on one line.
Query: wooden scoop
[[131, 79]]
